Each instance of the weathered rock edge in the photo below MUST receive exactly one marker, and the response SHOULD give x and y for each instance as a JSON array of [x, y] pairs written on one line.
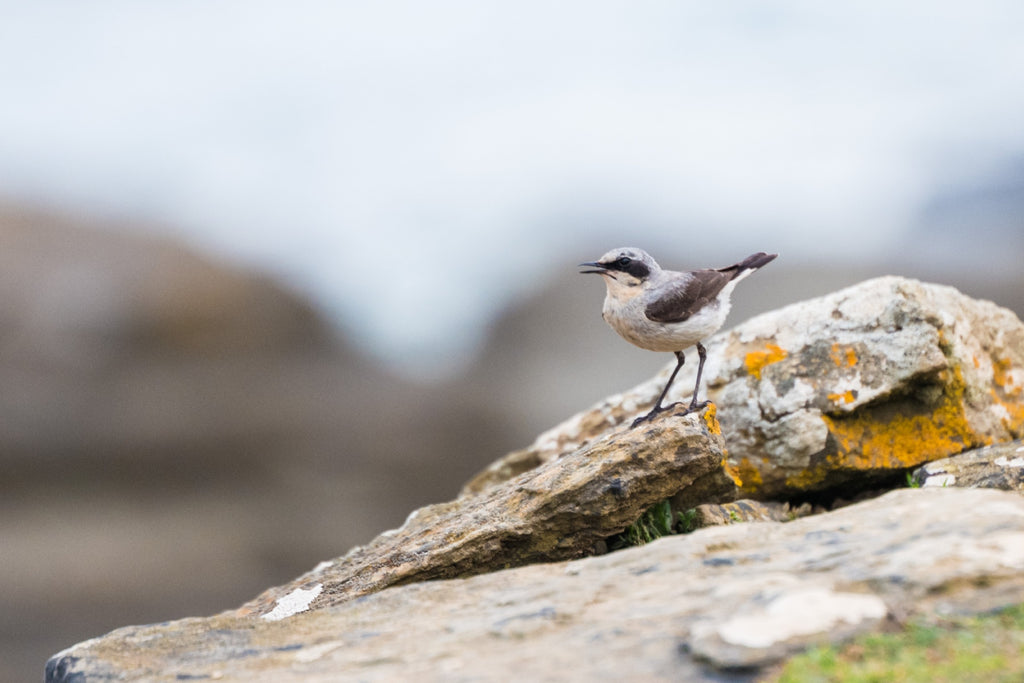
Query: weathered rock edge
[[994, 467], [735, 597], [553, 512], [844, 389]]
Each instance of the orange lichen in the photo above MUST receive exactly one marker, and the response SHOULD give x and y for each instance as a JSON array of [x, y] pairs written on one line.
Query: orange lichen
[[757, 360], [806, 480], [749, 473], [846, 397], [732, 472], [869, 440], [840, 357], [1002, 378], [1008, 394], [711, 420]]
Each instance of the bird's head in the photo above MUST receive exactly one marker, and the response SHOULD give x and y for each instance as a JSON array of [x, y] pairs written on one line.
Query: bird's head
[[623, 267]]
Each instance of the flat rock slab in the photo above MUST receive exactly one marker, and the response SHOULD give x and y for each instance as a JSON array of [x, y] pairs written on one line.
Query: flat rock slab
[[853, 387], [994, 467], [727, 598]]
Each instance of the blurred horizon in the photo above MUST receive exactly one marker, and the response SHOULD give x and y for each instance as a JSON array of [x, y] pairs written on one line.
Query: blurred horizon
[[417, 170]]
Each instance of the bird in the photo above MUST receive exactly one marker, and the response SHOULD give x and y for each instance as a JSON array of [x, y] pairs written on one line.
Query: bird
[[667, 310]]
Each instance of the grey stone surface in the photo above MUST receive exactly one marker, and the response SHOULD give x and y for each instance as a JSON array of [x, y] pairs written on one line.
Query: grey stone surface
[[993, 467], [723, 599]]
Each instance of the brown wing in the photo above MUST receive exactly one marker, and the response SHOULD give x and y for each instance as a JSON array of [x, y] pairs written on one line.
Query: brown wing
[[679, 300]]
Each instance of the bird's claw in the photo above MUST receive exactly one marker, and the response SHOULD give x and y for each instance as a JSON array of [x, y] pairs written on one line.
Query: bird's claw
[[643, 418], [658, 410]]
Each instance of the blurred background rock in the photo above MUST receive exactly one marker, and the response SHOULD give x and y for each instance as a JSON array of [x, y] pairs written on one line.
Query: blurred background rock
[[273, 276], [177, 435]]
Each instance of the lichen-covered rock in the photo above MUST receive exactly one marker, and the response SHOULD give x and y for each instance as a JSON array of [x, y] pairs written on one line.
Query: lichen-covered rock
[[733, 597], [879, 377], [992, 467], [559, 510], [854, 386]]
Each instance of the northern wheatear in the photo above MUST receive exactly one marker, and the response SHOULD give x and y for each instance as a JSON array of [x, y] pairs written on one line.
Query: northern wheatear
[[666, 310]]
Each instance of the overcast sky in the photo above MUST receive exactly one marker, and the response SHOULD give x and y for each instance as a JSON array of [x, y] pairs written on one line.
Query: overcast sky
[[382, 155]]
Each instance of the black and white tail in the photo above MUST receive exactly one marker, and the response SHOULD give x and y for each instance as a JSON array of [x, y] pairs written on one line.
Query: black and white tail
[[748, 265]]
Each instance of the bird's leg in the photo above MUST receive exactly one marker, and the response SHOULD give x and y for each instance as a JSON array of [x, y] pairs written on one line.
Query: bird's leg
[[703, 353], [680, 359]]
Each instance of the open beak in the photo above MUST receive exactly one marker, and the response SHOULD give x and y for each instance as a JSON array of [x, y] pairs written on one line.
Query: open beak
[[598, 268]]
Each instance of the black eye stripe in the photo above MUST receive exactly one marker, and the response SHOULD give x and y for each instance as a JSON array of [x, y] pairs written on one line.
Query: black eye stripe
[[637, 269]]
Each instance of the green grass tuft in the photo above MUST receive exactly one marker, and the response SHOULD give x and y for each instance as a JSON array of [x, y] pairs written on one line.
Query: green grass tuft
[[956, 650], [655, 522], [687, 521]]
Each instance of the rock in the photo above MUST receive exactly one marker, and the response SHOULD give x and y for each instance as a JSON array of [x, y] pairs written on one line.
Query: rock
[[845, 390], [718, 484], [685, 607], [993, 467], [559, 510], [118, 345], [713, 514]]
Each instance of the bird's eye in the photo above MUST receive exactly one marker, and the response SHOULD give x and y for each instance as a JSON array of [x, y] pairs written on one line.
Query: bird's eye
[[623, 261]]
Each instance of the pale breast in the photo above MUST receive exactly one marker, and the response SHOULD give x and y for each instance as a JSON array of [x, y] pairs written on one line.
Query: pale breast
[[628, 319]]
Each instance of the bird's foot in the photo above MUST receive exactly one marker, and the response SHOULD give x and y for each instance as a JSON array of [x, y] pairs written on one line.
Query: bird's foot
[[658, 410], [694, 406], [644, 418], [655, 412]]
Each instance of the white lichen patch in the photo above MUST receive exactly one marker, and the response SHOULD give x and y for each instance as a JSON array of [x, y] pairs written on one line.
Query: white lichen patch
[[800, 613], [1003, 461], [940, 480], [293, 603]]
